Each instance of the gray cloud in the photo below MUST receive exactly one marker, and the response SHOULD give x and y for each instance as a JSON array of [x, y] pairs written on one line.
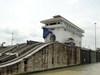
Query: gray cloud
[[23, 18]]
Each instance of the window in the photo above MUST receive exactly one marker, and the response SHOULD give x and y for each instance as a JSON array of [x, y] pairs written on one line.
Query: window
[[53, 29], [58, 22], [47, 24], [52, 23], [79, 43]]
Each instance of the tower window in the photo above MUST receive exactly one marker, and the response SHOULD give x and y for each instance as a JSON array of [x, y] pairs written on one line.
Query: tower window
[[58, 22], [53, 29], [79, 43], [47, 24], [52, 23]]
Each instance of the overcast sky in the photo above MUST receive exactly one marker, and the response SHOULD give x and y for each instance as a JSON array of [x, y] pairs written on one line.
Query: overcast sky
[[22, 17]]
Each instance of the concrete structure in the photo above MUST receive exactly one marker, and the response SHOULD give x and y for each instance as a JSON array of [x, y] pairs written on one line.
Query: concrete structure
[[60, 29], [35, 56], [39, 57]]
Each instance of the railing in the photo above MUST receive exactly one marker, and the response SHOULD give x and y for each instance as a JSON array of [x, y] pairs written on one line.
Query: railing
[[11, 55], [25, 55]]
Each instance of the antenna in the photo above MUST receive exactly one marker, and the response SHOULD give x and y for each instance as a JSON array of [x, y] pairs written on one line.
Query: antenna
[[12, 39]]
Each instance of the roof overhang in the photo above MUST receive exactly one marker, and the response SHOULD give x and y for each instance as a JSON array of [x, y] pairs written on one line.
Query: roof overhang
[[50, 20], [60, 18]]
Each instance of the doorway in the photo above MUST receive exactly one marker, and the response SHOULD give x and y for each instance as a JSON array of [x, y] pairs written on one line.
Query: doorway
[[52, 38]]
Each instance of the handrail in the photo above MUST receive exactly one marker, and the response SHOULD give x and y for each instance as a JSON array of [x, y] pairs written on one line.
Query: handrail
[[12, 52], [26, 55]]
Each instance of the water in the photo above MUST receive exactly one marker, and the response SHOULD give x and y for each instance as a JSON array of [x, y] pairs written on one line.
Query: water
[[87, 69]]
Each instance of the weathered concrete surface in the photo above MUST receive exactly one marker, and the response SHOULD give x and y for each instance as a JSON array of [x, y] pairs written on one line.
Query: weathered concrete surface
[[87, 69], [55, 55]]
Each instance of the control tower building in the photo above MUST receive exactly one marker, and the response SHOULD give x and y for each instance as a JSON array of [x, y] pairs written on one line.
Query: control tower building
[[60, 29]]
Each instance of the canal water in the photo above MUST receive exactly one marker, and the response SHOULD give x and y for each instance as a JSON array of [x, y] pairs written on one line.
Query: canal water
[[87, 69]]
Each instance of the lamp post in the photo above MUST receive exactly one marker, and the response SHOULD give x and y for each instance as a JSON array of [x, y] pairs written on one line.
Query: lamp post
[[95, 35]]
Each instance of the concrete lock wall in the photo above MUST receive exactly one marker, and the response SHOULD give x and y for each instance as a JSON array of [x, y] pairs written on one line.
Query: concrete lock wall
[[89, 56], [85, 56], [93, 56], [52, 56], [98, 56]]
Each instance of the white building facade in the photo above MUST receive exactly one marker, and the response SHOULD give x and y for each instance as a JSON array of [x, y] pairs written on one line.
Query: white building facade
[[60, 29]]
